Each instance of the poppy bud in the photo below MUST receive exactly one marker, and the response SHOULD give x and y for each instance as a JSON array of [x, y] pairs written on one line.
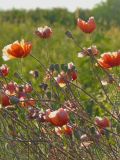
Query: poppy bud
[[14, 100], [69, 34]]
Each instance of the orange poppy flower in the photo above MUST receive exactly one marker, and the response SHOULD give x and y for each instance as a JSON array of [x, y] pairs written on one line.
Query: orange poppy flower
[[59, 117], [87, 27], [16, 50], [109, 60]]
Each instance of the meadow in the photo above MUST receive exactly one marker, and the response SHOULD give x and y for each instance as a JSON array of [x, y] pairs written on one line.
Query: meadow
[[25, 130]]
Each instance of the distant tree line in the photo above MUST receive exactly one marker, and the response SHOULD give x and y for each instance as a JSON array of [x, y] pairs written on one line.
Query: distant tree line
[[106, 14]]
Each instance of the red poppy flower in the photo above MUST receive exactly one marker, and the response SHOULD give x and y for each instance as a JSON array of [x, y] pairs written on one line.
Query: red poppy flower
[[4, 70], [25, 101], [28, 88], [4, 100], [66, 129], [65, 77], [109, 60], [11, 88], [7, 91], [58, 118], [102, 123], [44, 32], [62, 79], [72, 73], [87, 27], [16, 50]]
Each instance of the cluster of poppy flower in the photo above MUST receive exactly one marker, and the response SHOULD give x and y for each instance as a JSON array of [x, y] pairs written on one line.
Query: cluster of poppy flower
[[61, 120], [107, 60], [68, 74], [102, 124], [22, 49], [12, 93], [58, 118], [71, 75]]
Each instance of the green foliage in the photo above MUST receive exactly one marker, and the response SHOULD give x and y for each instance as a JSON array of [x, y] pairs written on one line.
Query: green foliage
[[106, 14]]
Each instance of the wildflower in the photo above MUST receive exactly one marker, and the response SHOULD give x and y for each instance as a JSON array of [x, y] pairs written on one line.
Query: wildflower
[[4, 70], [11, 88], [28, 88], [44, 32], [59, 117], [25, 101], [72, 73], [109, 60], [61, 79], [65, 77], [92, 50], [4, 100], [16, 50], [64, 130], [30, 102], [87, 27], [49, 75], [7, 92], [102, 123]]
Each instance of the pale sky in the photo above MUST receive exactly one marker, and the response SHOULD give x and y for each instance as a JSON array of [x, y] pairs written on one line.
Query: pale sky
[[32, 4]]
